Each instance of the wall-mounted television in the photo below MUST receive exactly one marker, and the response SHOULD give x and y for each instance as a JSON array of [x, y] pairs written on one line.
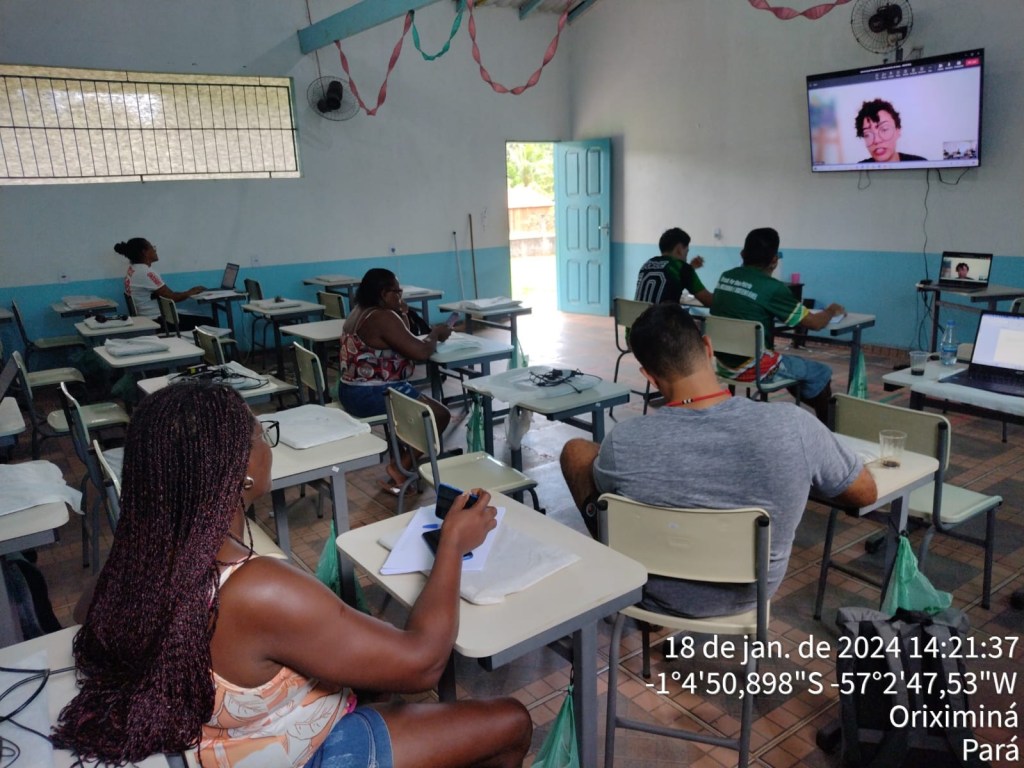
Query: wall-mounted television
[[924, 113]]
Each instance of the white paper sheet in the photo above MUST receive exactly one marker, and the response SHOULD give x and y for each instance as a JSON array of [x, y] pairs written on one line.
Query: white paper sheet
[[410, 552], [311, 425]]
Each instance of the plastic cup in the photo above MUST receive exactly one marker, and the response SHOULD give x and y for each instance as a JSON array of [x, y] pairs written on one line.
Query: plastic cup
[[917, 363], [891, 443], [794, 278]]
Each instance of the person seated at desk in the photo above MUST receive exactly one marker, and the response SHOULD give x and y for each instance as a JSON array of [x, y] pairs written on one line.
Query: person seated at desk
[[144, 284], [379, 352], [663, 278], [707, 449], [750, 292], [192, 639]]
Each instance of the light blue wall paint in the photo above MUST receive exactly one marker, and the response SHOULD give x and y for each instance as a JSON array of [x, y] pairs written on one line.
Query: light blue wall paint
[[426, 270], [880, 284]]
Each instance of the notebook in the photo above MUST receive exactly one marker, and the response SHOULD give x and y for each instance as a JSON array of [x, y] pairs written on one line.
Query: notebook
[[965, 271], [997, 363]]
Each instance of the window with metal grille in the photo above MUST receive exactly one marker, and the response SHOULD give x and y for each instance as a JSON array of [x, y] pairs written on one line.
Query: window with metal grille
[[65, 126]]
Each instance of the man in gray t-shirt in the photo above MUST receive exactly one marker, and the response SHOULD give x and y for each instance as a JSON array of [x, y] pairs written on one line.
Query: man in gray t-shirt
[[705, 448]]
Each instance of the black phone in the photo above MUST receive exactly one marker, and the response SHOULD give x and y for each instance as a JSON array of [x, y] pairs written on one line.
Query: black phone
[[446, 496]]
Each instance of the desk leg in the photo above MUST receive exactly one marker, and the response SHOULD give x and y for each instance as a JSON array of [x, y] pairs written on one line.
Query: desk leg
[[935, 321], [514, 330], [281, 521], [854, 355], [434, 374], [584, 692], [896, 522], [280, 350], [339, 499], [597, 424]]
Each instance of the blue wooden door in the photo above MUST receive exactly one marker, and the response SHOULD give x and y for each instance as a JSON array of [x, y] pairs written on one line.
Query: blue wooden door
[[583, 225]]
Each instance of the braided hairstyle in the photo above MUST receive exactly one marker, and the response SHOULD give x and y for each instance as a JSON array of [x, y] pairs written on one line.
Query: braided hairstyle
[[143, 654]]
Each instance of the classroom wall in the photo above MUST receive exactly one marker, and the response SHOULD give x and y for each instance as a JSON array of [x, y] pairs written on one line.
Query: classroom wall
[[406, 179], [705, 102]]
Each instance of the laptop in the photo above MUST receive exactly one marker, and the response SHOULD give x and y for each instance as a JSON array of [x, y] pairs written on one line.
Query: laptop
[[997, 363], [227, 284], [965, 271]]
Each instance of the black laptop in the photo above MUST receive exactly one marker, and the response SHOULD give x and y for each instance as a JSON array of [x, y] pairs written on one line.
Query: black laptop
[[997, 363], [229, 278], [965, 271]]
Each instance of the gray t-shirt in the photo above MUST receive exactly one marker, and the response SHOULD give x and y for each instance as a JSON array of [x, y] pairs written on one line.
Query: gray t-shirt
[[739, 453]]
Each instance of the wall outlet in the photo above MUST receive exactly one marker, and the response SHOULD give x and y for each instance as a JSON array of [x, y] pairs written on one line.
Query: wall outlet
[[254, 260], [64, 278], [717, 234], [392, 250]]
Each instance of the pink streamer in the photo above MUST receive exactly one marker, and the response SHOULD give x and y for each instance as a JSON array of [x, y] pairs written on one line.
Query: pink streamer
[[383, 93], [814, 13], [535, 77]]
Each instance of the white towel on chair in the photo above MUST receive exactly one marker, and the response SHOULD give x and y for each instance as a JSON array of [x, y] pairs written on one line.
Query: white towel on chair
[[32, 483]]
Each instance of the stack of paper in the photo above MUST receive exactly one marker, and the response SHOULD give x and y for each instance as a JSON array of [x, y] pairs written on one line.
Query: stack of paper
[[497, 302], [311, 425], [31, 483], [411, 554], [141, 346], [85, 302]]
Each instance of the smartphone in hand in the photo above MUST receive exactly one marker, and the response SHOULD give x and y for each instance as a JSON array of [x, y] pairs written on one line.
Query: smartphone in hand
[[446, 496], [453, 318]]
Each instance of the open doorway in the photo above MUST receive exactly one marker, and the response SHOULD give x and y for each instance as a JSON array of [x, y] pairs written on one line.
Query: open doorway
[[531, 223]]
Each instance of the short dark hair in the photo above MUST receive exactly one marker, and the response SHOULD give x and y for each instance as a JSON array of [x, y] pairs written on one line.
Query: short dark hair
[[372, 286], [133, 249], [871, 109], [760, 247], [666, 341], [673, 237], [964, 265]]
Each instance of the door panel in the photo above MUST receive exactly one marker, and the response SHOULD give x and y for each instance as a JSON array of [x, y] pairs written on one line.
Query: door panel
[[583, 225]]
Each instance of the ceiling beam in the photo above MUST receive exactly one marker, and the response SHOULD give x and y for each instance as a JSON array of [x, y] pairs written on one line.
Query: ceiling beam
[[360, 17], [580, 8], [527, 8]]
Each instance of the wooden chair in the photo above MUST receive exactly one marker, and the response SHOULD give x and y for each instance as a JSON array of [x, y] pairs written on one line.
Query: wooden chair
[[743, 338], [940, 507], [43, 343], [413, 426], [727, 546]]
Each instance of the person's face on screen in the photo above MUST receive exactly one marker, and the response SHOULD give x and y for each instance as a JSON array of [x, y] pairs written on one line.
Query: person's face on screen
[[880, 138], [962, 270]]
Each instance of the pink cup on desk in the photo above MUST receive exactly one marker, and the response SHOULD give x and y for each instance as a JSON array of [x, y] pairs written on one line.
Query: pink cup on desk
[[794, 278]]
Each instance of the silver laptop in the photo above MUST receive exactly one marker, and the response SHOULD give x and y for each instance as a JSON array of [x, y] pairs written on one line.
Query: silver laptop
[[997, 363], [965, 271]]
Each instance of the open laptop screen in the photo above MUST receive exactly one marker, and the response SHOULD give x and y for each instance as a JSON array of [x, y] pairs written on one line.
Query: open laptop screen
[[227, 282], [1000, 341], [967, 270]]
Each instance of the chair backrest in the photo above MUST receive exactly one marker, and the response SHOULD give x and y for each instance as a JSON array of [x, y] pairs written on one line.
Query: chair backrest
[[412, 422], [927, 433], [129, 302], [731, 336], [112, 482], [213, 352], [311, 375], [1017, 307], [169, 315], [80, 437], [252, 287], [20, 322], [626, 313], [23, 385], [332, 301]]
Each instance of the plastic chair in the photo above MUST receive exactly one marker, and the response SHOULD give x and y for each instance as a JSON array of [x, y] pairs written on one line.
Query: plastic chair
[[129, 303], [42, 343], [744, 338], [728, 546], [412, 425], [939, 506], [335, 306], [212, 346], [626, 313], [110, 463], [313, 387], [80, 424], [48, 377], [169, 317]]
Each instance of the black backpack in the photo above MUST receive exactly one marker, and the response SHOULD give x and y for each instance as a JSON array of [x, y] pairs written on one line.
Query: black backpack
[[891, 668]]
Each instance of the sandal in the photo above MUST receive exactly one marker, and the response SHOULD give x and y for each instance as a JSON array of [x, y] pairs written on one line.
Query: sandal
[[390, 488]]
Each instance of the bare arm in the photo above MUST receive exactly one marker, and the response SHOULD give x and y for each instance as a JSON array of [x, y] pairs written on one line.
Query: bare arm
[[176, 296], [861, 492], [310, 630], [386, 330], [704, 297], [818, 320]]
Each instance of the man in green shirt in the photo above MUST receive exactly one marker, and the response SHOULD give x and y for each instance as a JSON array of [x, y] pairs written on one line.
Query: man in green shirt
[[663, 278], [750, 292]]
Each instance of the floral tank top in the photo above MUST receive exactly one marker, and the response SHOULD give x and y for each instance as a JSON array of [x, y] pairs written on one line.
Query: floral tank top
[[362, 364]]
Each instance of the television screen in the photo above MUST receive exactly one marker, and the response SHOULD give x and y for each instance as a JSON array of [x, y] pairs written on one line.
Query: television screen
[[924, 113]]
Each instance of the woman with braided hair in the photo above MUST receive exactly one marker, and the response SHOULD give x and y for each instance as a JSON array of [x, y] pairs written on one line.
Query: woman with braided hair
[[190, 639]]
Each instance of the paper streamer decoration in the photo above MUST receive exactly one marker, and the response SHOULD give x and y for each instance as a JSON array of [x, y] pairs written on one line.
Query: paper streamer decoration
[[814, 12]]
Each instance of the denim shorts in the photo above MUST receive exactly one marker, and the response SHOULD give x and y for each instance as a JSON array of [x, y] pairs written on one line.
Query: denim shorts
[[359, 740], [362, 400], [812, 375]]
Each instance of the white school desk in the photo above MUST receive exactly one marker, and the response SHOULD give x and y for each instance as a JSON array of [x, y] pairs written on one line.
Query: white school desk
[[846, 333], [328, 461], [316, 335], [59, 690], [990, 297], [25, 529], [218, 303], [273, 387], [483, 352], [12, 423], [603, 395], [278, 316], [569, 602], [485, 317], [179, 353], [137, 326], [101, 305], [895, 485], [346, 285]]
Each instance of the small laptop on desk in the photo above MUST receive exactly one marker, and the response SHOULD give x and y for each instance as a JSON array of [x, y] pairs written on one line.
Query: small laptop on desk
[[965, 271], [997, 364], [227, 283]]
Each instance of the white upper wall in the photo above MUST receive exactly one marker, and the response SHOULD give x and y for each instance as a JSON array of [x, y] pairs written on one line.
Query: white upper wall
[[706, 103], [406, 178]]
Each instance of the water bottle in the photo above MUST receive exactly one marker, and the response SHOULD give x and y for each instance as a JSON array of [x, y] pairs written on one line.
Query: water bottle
[[947, 349]]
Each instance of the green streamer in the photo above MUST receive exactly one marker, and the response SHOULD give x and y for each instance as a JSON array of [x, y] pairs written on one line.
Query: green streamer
[[455, 28]]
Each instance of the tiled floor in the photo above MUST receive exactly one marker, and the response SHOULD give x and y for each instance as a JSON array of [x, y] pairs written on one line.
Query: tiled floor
[[784, 733]]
